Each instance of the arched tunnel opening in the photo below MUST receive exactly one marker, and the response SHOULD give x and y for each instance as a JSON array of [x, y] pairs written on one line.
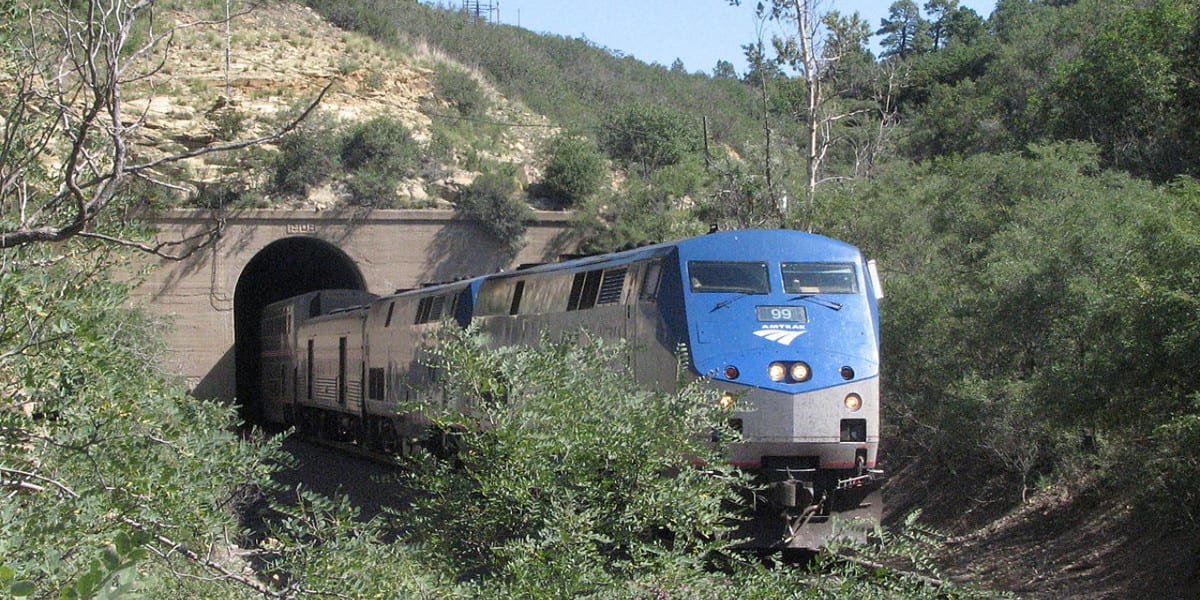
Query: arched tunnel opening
[[285, 268]]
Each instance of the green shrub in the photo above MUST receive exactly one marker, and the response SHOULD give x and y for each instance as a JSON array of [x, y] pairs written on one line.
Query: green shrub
[[492, 200], [307, 157], [377, 154], [112, 472], [370, 187], [649, 137], [636, 215], [460, 89], [576, 169], [577, 481], [581, 485], [381, 143], [227, 194], [228, 122]]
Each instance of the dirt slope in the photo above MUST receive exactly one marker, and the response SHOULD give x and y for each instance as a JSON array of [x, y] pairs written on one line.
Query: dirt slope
[[1055, 545], [275, 59]]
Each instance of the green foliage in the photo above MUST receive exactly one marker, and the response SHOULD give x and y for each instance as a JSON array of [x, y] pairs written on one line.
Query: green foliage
[[381, 143], [639, 214], [576, 169], [1020, 289], [572, 81], [460, 90], [307, 156], [228, 194], [1172, 460], [649, 137], [554, 499], [9, 12], [376, 155], [1132, 89], [106, 461], [740, 199], [905, 32], [493, 200], [319, 546], [228, 122]]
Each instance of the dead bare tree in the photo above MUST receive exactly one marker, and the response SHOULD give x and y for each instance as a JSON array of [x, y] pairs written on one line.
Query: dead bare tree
[[814, 45], [65, 154]]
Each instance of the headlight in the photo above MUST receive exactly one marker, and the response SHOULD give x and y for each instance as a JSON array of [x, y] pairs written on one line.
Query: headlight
[[777, 371], [853, 402], [800, 372]]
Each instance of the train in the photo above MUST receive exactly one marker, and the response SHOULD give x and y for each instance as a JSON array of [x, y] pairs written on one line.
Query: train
[[784, 324]]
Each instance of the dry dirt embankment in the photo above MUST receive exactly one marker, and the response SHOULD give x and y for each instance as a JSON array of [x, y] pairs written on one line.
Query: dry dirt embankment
[[1056, 545], [276, 59]]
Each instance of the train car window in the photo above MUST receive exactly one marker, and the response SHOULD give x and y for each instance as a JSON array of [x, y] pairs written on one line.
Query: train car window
[[584, 290], [391, 308], [728, 277], [650, 281], [576, 291], [516, 299], [341, 380], [308, 378], [436, 304], [819, 278], [375, 383]]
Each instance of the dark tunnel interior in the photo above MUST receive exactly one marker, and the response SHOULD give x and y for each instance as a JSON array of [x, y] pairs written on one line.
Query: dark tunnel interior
[[285, 268]]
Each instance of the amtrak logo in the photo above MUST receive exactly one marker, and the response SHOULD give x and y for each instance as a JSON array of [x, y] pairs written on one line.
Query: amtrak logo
[[781, 336]]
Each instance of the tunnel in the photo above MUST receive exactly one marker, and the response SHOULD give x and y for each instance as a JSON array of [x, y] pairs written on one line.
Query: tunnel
[[285, 268]]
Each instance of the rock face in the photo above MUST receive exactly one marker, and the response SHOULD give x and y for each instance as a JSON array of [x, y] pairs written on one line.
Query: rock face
[[223, 83]]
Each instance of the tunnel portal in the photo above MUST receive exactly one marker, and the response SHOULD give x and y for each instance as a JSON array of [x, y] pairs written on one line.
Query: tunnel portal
[[285, 268]]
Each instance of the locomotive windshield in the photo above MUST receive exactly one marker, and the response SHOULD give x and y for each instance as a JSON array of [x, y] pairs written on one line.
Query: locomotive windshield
[[819, 278], [729, 277]]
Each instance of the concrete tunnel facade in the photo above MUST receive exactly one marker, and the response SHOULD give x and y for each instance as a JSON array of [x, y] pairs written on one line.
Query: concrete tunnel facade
[[211, 298]]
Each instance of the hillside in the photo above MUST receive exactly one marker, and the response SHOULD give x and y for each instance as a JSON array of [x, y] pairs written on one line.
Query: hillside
[[280, 56]]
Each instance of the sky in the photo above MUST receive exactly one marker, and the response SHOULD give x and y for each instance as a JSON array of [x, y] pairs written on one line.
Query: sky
[[698, 32]]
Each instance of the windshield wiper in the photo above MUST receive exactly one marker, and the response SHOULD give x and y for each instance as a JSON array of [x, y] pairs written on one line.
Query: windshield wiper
[[819, 301], [728, 301]]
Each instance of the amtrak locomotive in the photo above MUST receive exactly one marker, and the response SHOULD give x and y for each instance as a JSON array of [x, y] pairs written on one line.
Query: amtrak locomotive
[[784, 323]]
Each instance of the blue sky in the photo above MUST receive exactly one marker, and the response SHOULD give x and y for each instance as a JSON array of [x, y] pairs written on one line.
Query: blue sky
[[699, 32]]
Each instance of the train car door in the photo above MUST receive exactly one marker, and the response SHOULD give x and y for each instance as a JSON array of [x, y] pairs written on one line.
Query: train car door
[[341, 376]]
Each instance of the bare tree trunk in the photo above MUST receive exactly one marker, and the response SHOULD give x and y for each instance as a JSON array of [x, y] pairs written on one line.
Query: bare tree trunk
[[808, 59]]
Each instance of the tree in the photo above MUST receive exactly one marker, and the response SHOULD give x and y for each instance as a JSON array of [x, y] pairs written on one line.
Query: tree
[[492, 200], [649, 136], [905, 31], [962, 26], [818, 43], [68, 133], [1135, 90], [114, 479], [940, 13], [576, 169], [724, 70]]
